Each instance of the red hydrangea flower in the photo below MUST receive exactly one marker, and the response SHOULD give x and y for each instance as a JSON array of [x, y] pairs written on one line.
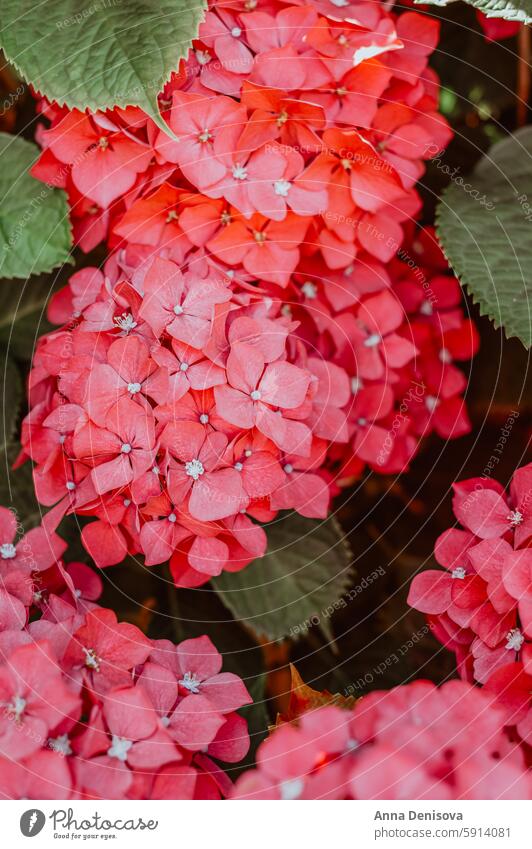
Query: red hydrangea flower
[[416, 741], [481, 607], [91, 708]]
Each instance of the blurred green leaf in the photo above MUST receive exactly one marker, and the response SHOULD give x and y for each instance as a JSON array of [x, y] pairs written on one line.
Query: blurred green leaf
[[484, 224], [305, 570], [35, 234]]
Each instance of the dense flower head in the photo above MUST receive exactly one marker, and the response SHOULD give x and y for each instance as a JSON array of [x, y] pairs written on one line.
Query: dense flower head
[[92, 708], [481, 605], [270, 320], [416, 741]]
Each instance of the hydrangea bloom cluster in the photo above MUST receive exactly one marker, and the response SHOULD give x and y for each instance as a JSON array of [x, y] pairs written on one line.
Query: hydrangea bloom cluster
[[92, 708], [481, 605], [299, 133], [416, 741]]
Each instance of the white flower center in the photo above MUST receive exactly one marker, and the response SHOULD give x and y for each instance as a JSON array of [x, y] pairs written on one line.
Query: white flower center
[[125, 322], [204, 419], [240, 173], [92, 661], [515, 518], [194, 468], [426, 308], [203, 57], [291, 789], [172, 518], [62, 439], [133, 388], [60, 744], [125, 448], [16, 707], [459, 572], [282, 187], [119, 748], [515, 639], [8, 551], [165, 720], [362, 421], [255, 395], [205, 136], [372, 340], [310, 290], [445, 356], [183, 367], [127, 502], [239, 467], [70, 485], [190, 682], [288, 468], [431, 403], [356, 384], [178, 309], [248, 452], [339, 3], [236, 32]]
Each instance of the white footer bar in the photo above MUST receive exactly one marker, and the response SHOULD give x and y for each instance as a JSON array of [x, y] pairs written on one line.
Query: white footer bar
[[252, 825]]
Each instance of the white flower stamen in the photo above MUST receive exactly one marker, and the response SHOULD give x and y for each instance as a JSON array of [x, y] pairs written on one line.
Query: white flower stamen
[[191, 682], [240, 172], [92, 661], [60, 744], [372, 340], [515, 639], [310, 290], [119, 748], [16, 707], [282, 187], [125, 322], [291, 789], [459, 573], [8, 551], [194, 468], [133, 388]]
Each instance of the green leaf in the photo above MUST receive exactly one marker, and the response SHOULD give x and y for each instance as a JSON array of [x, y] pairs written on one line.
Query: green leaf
[[99, 55], [516, 10], [484, 223], [303, 573], [35, 232]]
